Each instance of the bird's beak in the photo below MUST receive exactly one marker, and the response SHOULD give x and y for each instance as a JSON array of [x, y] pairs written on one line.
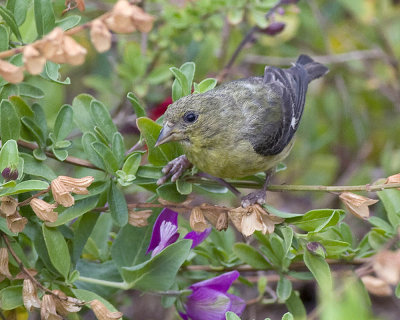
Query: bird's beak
[[166, 134]]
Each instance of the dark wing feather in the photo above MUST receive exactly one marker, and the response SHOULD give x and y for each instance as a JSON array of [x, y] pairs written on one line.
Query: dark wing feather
[[291, 85]]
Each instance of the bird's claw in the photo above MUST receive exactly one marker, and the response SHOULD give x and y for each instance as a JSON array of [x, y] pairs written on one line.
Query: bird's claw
[[174, 169], [253, 198]]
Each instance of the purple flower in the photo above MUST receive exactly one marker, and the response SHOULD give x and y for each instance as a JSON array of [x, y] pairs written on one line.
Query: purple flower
[[210, 300], [165, 232]]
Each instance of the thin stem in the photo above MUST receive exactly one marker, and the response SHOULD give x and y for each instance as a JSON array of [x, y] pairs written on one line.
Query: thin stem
[[112, 284], [27, 201]]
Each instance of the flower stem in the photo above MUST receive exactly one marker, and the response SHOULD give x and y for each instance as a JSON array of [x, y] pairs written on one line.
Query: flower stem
[[113, 284]]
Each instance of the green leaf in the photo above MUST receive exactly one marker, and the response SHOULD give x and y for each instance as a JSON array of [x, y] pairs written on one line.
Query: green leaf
[[281, 214], [11, 297], [251, 256], [25, 186], [4, 38], [287, 316], [107, 156], [64, 123], [57, 249], [284, 288], [8, 17], [391, 202], [118, 206], [188, 69], [231, 316], [39, 154], [176, 91], [19, 8], [68, 22], [168, 192], [60, 154], [37, 168], [101, 117], [183, 81], [380, 223], [317, 220], [158, 75], [44, 16], [183, 187], [51, 73], [334, 247], [87, 139], [9, 122], [23, 89], [320, 270], [82, 117], [132, 163], [207, 84], [40, 118], [158, 273], [35, 131], [397, 291], [85, 227], [287, 233], [9, 155], [78, 209], [137, 107], [161, 155], [118, 148], [296, 306], [22, 108], [87, 295]]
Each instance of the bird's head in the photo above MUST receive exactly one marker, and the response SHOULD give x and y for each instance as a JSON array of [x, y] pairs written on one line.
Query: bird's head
[[186, 119]]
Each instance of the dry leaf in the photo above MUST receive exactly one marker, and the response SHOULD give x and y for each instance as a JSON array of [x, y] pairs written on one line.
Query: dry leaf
[[377, 286], [8, 205], [16, 223], [4, 263], [356, 204], [102, 313], [48, 310], [33, 60], [44, 211], [197, 221], [10, 72], [386, 265], [100, 35], [139, 218], [30, 296]]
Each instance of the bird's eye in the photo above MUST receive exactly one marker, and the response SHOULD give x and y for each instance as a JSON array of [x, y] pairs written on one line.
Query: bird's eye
[[190, 117]]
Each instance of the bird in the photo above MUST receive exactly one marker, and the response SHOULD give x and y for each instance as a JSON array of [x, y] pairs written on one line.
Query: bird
[[241, 127]]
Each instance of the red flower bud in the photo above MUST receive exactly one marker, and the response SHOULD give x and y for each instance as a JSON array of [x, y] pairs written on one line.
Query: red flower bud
[[274, 28], [10, 174]]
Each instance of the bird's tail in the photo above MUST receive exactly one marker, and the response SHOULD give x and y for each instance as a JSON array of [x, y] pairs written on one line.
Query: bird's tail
[[314, 69]]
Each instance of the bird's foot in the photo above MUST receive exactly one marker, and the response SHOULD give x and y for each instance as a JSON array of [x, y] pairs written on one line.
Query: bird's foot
[[174, 169], [253, 198]]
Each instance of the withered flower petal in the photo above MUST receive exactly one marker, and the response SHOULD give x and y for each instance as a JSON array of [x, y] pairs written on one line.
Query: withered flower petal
[[23, 275], [74, 53], [222, 222], [30, 296], [76, 185], [121, 20], [10, 72], [33, 60], [48, 310], [65, 304], [51, 46], [8, 205], [356, 204], [386, 265], [139, 218], [377, 286], [61, 193], [44, 210], [16, 223], [197, 221], [102, 313], [142, 20], [100, 35], [4, 263]]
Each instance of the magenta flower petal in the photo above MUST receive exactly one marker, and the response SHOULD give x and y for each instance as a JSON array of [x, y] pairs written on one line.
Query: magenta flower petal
[[220, 283], [197, 237], [207, 304], [166, 215], [237, 304]]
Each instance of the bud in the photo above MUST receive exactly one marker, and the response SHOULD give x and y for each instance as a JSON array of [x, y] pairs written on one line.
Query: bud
[[61, 194], [44, 211], [10, 174], [48, 310], [377, 286], [8, 205], [197, 221], [139, 218], [10, 72], [29, 295], [33, 60], [16, 223], [100, 35], [102, 313], [4, 263], [357, 205], [65, 304], [274, 28], [222, 222], [316, 248]]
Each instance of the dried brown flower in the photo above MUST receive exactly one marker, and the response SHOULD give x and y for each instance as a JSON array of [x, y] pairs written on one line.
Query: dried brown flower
[[10, 72], [61, 193], [197, 221], [16, 223], [44, 210], [30, 296], [139, 218], [393, 179], [100, 35], [102, 313], [356, 204], [142, 20], [4, 263], [222, 222], [74, 53], [23, 275], [33, 60], [386, 265], [48, 310], [65, 304], [8, 206], [377, 286], [76, 185]]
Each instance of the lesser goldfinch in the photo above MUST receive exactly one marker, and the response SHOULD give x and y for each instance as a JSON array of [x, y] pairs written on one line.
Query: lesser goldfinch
[[241, 127]]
